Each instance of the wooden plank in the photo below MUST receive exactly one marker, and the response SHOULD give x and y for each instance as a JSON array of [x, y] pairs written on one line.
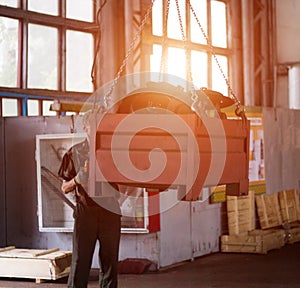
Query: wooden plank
[[257, 241], [45, 252], [292, 232], [268, 211], [240, 212], [36, 264], [7, 248], [241, 244], [289, 205], [272, 238]]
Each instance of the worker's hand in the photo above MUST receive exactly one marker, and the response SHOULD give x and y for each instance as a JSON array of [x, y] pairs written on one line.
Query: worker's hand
[[82, 176], [68, 186]]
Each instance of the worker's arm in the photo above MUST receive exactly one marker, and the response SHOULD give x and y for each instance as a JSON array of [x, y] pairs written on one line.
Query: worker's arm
[[68, 186]]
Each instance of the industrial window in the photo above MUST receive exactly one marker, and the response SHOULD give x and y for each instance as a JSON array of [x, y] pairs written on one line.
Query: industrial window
[[191, 37], [46, 49]]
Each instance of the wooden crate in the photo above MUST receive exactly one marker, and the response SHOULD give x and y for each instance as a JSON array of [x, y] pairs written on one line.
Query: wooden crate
[[240, 213], [289, 205], [268, 210], [257, 241], [40, 265], [292, 231]]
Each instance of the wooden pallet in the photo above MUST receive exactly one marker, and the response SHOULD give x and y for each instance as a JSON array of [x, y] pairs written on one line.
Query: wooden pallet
[[268, 211], [292, 231], [257, 241], [240, 213], [40, 265]]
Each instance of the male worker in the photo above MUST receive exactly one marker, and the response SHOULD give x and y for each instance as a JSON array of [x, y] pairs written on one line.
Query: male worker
[[94, 219]]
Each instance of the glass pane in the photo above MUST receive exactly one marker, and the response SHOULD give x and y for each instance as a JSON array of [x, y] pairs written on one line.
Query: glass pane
[[200, 9], [80, 10], [46, 108], [9, 107], [218, 81], [174, 30], [9, 52], [79, 58], [42, 57], [11, 3], [177, 62], [218, 24], [32, 107], [157, 19], [42, 6], [70, 113], [155, 58], [199, 68]]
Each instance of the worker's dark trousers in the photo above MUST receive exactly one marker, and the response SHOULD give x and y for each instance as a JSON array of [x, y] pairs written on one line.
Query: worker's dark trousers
[[94, 223]]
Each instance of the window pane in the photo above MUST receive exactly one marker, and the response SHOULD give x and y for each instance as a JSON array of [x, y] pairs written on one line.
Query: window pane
[[218, 24], [9, 107], [79, 58], [174, 30], [200, 9], [32, 107], [218, 81], [155, 58], [80, 10], [177, 62], [11, 3], [9, 52], [157, 19], [199, 68], [46, 108], [47, 7], [42, 57]]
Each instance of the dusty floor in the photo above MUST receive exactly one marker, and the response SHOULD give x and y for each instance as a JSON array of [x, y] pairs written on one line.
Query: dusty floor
[[277, 269]]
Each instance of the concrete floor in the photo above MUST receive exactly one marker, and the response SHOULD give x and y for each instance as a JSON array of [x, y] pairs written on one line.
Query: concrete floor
[[277, 269]]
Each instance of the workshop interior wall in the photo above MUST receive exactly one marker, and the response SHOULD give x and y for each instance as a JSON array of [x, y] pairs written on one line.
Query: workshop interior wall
[[202, 223], [20, 192], [282, 142]]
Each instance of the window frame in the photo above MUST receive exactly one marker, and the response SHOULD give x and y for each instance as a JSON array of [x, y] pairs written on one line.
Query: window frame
[[192, 46], [21, 92]]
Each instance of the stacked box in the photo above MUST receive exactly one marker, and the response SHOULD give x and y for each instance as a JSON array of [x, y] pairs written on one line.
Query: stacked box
[[290, 211], [257, 241], [240, 212], [292, 233], [289, 205], [243, 237], [268, 211], [41, 265]]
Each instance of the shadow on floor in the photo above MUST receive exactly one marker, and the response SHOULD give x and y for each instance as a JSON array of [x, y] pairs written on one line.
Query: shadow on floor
[[277, 269]]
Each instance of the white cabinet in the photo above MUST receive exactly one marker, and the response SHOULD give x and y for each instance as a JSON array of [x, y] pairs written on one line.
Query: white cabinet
[[55, 213]]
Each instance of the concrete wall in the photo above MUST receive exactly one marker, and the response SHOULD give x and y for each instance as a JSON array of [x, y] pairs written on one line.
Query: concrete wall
[[188, 230], [288, 45], [21, 182], [282, 142]]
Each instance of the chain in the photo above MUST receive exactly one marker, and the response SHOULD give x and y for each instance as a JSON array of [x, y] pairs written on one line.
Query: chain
[[107, 96], [163, 65], [237, 101], [98, 19], [194, 95]]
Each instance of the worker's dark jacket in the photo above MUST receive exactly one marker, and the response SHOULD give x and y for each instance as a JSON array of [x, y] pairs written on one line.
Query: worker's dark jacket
[[72, 164]]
